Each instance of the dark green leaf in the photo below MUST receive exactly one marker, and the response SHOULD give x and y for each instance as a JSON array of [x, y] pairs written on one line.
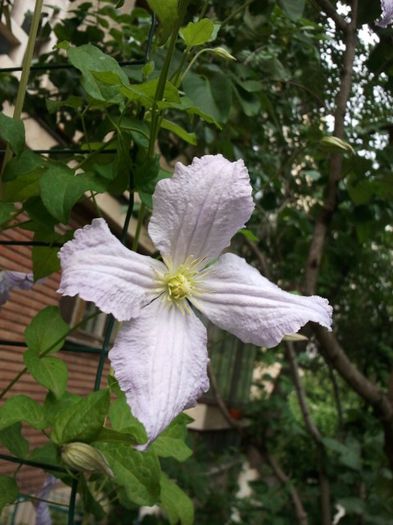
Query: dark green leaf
[[49, 372], [293, 8], [24, 187], [167, 13], [82, 421], [7, 209], [13, 132], [46, 330], [61, 189], [179, 131], [11, 437]]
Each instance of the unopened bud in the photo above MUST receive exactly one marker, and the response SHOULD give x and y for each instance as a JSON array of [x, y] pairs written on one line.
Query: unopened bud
[[81, 456], [295, 337], [222, 53]]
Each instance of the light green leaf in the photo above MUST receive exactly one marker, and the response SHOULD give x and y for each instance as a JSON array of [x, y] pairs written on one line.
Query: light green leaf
[[45, 330], [175, 502], [13, 132], [82, 421], [61, 189], [293, 8], [248, 234], [22, 408], [167, 13], [337, 144], [89, 59], [8, 491], [123, 421], [49, 372], [11, 437], [179, 131], [137, 472], [24, 187], [171, 442], [53, 405], [197, 33]]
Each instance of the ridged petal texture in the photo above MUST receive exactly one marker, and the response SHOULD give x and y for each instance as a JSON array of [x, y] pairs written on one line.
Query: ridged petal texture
[[237, 298], [10, 280], [98, 268], [198, 210], [387, 13], [160, 360]]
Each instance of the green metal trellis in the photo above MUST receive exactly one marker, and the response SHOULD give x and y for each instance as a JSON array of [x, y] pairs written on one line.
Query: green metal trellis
[[102, 352]]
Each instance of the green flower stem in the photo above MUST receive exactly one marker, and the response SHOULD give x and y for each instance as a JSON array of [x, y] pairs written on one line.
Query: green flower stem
[[26, 65], [155, 112], [46, 352], [195, 58], [138, 230]]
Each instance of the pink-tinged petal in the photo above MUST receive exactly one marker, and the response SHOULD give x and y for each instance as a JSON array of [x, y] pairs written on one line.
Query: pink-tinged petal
[[98, 268], [387, 13], [237, 298], [160, 360], [198, 210], [10, 280]]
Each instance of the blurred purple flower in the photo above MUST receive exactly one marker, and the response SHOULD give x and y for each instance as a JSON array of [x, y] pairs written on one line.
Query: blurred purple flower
[[387, 13], [43, 516], [10, 280]]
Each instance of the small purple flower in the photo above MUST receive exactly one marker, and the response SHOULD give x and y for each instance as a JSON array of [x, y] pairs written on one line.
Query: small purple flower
[[160, 356], [387, 13], [10, 280], [42, 514]]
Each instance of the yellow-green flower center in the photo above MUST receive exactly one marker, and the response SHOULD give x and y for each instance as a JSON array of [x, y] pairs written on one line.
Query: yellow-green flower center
[[179, 284]]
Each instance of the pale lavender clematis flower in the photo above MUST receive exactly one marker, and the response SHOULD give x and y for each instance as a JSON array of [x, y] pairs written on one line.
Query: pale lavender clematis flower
[[387, 13], [159, 356], [10, 280]]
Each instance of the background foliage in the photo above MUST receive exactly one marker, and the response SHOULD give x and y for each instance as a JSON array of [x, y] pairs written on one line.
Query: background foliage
[[274, 106]]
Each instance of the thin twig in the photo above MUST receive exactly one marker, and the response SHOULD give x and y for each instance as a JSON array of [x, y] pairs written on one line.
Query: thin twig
[[330, 10]]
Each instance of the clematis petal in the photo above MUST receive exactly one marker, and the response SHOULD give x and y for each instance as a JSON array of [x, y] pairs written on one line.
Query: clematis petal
[[199, 209], [160, 360], [237, 298], [98, 268], [10, 280], [387, 13]]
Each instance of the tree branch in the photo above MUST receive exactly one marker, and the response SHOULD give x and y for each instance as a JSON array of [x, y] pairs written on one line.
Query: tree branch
[[285, 480], [331, 11], [335, 169], [326, 514]]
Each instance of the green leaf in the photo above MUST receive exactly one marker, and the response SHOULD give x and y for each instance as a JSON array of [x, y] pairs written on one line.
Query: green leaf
[[13, 132], [24, 187], [8, 491], [167, 13], [179, 131], [146, 174], [123, 421], [197, 33], [11, 437], [46, 330], [89, 59], [45, 261], [293, 8], [7, 209], [61, 189], [199, 91], [145, 92], [248, 234], [49, 372], [22, 408], [27, 163], [137, 472], [82, 421], [146, 196], [175, 502], [170, 443], [53, 405], [108, 435], [48, 453]]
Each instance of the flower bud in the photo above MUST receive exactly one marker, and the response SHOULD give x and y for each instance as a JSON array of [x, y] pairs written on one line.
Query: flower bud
[[223, 53], [83, 457]]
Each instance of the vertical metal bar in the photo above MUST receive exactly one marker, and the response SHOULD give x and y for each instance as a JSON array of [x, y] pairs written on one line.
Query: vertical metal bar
[[72, 505]]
